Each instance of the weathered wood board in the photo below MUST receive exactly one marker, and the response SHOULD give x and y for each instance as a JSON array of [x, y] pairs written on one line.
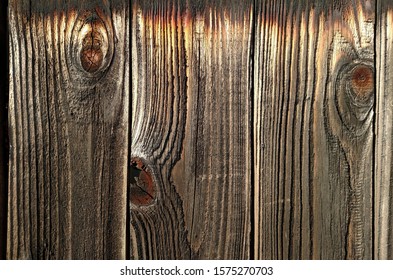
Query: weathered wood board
[[311, 119], [3, 126], [314, 129], [253, 129], [68, 129], [191, 101], [383, 242]]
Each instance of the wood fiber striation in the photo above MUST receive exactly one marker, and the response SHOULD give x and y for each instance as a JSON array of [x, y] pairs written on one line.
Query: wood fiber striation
[[68, 129]]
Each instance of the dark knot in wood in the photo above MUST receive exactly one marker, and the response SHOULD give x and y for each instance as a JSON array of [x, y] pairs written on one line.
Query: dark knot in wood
[[91, 54], [91, 47], [142, 189], [362, 81], [353, 98]]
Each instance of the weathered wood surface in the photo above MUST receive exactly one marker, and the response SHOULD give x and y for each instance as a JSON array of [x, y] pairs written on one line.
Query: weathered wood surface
[[384, 133], [191, 102], [312, 90], [3, 126], [158, 103], [68, 129], [254, 129], [313, 112]]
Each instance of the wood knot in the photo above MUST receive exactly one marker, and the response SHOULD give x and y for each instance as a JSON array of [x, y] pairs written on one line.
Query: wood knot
[[91, 47], [91, 54], [353, 98], [362, 81], [142, 189], [93, 44]]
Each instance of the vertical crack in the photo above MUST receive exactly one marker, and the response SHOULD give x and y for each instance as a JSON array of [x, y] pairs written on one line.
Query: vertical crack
[[375, 106], [196, 147], [252, 237], [128, 197]]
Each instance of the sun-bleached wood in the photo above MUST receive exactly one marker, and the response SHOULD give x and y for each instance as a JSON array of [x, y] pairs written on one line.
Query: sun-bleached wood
[[68, 131]]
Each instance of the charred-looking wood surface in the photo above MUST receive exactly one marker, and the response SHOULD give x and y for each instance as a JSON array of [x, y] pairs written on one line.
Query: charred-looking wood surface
[[314, 129], [191, 103], [245, 130], [68, 128], [3, 126], [257, 122]]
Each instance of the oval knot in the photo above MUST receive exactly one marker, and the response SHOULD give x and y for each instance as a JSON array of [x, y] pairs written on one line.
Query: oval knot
[[362, 81], [142, 186], [92, 54]]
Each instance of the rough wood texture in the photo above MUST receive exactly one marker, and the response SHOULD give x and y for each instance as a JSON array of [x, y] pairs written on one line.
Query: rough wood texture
[[313, 129], [214, 172], [158, 97], [384, 132], [258, 129], [191, 101], [3, 126], [68, 130]]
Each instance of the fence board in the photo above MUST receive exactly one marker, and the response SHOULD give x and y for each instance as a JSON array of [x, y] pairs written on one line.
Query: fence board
[[384, 132], [313, 112], [190, 124], [251, 132], [69, 96], [158, 63], [3, 126]]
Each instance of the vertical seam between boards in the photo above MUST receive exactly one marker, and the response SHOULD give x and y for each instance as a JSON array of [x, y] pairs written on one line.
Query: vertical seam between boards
[[128, 198], [252, 237], [375, 106]]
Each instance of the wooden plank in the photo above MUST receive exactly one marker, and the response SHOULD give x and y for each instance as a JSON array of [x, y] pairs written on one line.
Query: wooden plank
[[3, 126], [384, 132], [313, 123], [158, 97], [215, 169], [69, 96], [191, 128]]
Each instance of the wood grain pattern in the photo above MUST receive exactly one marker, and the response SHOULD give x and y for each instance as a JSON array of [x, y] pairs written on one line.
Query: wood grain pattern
[[384, 132], [313, 112], [215, 170], [3, 126], [68, 131], [158, 97], [254, 129], [190, 122]]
